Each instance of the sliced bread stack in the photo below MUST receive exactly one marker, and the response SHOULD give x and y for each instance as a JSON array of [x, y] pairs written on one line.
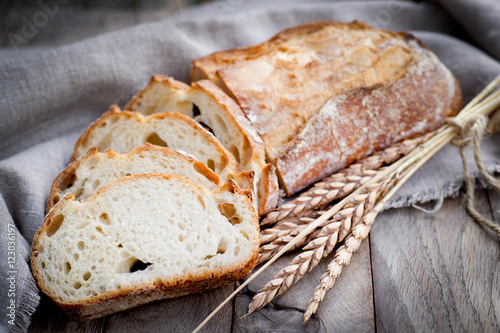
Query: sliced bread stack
[[152, 206]]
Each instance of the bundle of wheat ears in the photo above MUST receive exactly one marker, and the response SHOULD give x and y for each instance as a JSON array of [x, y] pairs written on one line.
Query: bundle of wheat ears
[[319, 223]]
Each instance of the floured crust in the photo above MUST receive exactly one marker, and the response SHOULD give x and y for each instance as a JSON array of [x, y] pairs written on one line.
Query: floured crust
[[252, 155], [283, 84], [132, 296], [67, 177], [148, 101], [365, 120]]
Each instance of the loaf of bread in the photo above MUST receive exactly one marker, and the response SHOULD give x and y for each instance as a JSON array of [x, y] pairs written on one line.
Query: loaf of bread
[[123, 131], [325, 94], [143, 238], [95, 169]]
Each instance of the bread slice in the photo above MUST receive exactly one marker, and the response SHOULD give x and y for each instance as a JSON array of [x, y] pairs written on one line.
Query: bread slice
[[388, 86], [229, 124], [95, 169], [143, 238], [123, 131], [162, 94]]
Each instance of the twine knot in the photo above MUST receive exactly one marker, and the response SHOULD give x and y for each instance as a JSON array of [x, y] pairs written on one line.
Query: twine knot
[[473, 129], [471, 132]]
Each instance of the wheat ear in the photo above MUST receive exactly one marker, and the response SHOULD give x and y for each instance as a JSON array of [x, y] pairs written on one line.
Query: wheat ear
[[342, 183], [342, 257], [324, 242], [276, 243]]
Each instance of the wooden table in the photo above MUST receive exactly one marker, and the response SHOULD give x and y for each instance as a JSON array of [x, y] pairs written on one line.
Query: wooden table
[[416, 272]]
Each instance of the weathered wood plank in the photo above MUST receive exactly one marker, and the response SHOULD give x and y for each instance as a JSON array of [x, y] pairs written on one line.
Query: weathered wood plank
[[435, 272], [348, 307], [181, 314], [48, 319]]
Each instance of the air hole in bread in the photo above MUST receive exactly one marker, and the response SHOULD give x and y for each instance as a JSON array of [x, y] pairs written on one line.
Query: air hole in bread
[[246, 152], [221, 249], [106, 141], [77, 285], [55, 224], [81, 245], [236, 153], [237, 250], [76, 256], [56, 199], [181, 238], [79, 190], [67, 268], [220, 123], [119, 245], [139, 266], [154, 139], [87, 276], [43, 264], [229, 212], [245, 234], [206, 127], [96, 184], [211, 164], [104, 219], [99, 230], [200, 199]]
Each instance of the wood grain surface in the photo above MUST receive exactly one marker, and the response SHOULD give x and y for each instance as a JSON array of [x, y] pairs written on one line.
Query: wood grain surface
[[418, 272]]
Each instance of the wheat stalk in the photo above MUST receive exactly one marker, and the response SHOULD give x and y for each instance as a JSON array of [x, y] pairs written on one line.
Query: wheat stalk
[[320, 246], [403, 173], [342, 257], [401, 169], [342, 183], [279, 235]]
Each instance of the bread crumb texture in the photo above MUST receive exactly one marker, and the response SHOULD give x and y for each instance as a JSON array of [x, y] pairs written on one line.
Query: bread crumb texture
[[142, 232]]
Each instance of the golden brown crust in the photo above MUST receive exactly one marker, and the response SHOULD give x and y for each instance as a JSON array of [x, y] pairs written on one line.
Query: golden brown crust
[[67, 176], [365, 120], [233, 110], [271, 189], [168, 81], [126, 298], [206, 67]]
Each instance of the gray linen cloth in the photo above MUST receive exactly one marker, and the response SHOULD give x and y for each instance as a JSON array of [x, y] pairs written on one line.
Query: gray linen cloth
[[48, 98]]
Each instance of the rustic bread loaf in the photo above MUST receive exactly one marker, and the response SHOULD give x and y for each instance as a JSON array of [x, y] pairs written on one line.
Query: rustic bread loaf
[[324, 94], [123, 131], [143, 238], [95, 169], [229, 124]]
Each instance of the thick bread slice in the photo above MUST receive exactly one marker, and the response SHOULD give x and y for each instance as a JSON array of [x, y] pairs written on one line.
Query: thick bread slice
[[143, 238], [123, 131], [162, 94], [229, 124], [282, 84], [93, 170]]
